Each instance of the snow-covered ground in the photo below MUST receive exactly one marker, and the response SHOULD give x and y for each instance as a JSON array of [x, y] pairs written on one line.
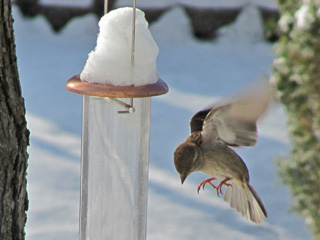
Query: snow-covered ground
[[198, 73]]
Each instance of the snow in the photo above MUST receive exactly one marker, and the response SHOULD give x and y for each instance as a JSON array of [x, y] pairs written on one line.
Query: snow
[[78, 3], [198, 74], [243, 29], [304, 16], [111, 63], [178, 27], [285, 21]]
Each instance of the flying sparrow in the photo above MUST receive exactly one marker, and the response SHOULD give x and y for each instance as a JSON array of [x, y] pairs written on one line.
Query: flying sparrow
[[207, 150]]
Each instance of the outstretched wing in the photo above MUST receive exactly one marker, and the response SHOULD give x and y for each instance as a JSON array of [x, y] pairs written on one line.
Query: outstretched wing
[[197, 120], [234, 123]]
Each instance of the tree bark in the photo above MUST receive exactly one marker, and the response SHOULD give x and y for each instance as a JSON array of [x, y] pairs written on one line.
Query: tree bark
[[14, 136]]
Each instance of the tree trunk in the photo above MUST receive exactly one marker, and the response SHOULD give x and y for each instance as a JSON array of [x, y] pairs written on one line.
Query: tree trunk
[[14, 136]]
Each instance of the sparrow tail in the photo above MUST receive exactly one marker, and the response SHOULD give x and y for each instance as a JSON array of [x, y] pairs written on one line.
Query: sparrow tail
[[245, 200]]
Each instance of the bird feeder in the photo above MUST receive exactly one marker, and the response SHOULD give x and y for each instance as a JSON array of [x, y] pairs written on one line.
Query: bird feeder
[[115, 156]]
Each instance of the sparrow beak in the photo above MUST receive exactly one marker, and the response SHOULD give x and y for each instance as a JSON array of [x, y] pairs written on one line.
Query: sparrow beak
[[183, 177]]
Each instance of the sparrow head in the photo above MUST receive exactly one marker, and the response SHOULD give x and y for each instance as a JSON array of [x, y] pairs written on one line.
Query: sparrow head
[[185, 159]]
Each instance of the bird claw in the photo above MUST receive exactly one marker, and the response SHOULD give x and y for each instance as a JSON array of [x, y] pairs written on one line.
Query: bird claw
[[205, 182], [218, 188]]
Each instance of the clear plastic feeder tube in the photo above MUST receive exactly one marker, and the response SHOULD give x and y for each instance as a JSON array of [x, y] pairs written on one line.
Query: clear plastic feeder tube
[[114, 170]]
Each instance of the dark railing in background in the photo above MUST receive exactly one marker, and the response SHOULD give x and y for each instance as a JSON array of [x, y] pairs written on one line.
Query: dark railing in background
[[205, 21]]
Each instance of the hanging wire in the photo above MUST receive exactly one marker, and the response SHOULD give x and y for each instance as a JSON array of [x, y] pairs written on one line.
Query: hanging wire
[[128, 107], [133, 37], [105, 6]]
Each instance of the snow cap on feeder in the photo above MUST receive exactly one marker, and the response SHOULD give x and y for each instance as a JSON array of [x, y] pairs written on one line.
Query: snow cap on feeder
[[110, 62]]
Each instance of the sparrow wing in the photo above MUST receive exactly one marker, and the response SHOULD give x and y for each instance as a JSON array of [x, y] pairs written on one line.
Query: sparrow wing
[[197, 120], [235, 123]]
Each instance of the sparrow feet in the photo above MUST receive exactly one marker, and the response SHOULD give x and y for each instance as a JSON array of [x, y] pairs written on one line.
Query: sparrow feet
[[219, 187], [205, 182]]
